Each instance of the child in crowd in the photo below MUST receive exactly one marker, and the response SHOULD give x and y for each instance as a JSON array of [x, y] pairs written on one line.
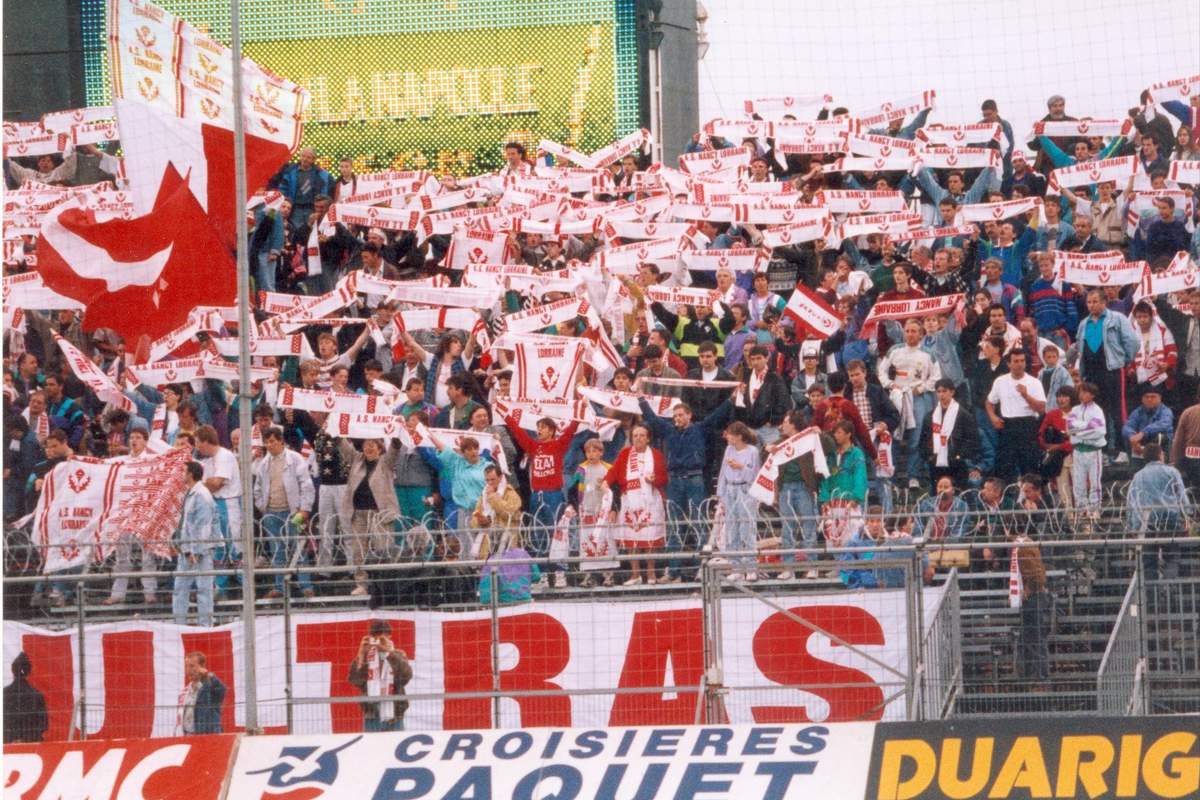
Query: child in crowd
[[739, 468]]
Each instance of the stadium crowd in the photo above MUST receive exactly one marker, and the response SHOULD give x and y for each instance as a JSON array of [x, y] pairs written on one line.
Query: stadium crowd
[[1030, 379]]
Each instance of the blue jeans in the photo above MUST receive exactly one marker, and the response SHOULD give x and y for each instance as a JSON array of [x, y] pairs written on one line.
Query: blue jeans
[[185, 579], [226, 553], [798, 507], [685, 494], [741, 526], [379, 726], [546, 508], [915, 466], [989, 440], [64, 587], [281, 538], [264, 273]]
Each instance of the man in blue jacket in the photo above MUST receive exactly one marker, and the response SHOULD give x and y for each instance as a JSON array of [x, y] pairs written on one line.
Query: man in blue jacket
[[200, 708], [1150, 422], [301, 183], [1106, 344], [686, 446]]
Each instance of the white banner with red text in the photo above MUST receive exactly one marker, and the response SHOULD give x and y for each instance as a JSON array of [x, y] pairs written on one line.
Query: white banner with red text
[[135, 668]]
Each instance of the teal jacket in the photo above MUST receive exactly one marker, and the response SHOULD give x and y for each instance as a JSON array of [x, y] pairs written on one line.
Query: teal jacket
[[847, 477]]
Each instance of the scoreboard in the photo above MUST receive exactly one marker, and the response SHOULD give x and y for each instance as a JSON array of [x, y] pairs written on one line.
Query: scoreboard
[[429, 84]]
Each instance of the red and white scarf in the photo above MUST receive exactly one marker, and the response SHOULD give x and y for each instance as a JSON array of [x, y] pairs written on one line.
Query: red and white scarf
[[710, 161], [891, 111], [864, 224], [878, 146], [95, 378], [777, 108], [1184, 172], [1082, 127], [1156, 343], [738, 259], [850, 201], [628, 401], [958, 157], [1178, 89], [1016, 584], [329, 402], [41, 428], [959, 135], [897, 162], [1119, 170], [942, 425], [819, 226], [983, 212], [931, 233], [1098, 269], [906, 309], [543, 316], [1180, 276]]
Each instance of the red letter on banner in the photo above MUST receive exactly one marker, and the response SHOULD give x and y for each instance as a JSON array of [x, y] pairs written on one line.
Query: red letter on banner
[[54, 676], [781, 651], [128, 685], [655, 635], [543, 648], [336, 644]]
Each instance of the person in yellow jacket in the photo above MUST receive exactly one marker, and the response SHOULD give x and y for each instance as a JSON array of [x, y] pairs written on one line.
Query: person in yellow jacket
[[498, 512]]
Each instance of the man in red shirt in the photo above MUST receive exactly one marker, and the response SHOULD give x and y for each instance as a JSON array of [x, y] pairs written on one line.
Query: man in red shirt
[[546, 499]]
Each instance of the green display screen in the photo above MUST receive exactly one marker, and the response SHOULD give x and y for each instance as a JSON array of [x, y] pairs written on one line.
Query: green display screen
[[418, 84]]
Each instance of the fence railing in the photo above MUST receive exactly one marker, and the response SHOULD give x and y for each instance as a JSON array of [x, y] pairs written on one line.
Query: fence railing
[[941, 667], [1120, 679], [702, 662]]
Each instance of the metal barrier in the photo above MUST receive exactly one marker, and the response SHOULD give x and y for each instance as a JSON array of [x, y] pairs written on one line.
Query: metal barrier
[[941, 667], [956, 630], [1120, 679]]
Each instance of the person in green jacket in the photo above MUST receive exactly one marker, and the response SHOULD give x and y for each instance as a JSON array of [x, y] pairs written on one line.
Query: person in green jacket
[[844, 492]]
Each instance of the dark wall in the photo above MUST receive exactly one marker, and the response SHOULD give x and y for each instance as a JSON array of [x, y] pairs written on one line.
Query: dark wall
[[680, 77], [43, 59]]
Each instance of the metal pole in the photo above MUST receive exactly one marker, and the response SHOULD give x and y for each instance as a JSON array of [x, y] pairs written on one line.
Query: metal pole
[[287, 649], [249, 681], [82, 666], [495, 598]]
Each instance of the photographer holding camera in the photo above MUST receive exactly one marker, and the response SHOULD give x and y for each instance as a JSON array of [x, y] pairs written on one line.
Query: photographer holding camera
[[380, 669]]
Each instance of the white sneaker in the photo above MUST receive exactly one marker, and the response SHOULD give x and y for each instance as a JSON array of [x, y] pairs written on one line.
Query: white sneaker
[[636, 581], [786, 576], [1122, 458], [560, 580], [913, 483], [735, 577], [358, 591], [811, 575], [751, 576]]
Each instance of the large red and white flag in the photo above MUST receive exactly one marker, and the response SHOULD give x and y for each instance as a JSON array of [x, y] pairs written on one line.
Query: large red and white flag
[[138, 276]]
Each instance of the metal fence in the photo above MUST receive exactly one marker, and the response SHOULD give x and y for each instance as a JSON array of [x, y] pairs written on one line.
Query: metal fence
[[947, 600], [1121, 677]]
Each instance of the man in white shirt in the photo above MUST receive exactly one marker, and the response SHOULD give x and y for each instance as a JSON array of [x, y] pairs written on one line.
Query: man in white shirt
[[138, 439], [908, 374], [223, 479], [1014, 407]]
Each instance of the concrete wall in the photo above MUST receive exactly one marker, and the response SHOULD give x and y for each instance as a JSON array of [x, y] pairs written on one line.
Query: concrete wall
[[43, 60], [680, 77]]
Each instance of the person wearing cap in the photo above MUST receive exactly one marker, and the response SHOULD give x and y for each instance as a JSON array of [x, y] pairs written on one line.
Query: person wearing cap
[[1151, 421], [553, 258], [25, 719], [1056, 106], [990, 113], [809, 375]]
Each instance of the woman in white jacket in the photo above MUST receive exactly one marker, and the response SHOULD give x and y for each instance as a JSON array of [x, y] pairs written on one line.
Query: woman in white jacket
[[1086, 427]]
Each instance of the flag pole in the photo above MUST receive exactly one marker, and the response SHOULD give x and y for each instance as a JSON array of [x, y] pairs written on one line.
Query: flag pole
[[249, 682]]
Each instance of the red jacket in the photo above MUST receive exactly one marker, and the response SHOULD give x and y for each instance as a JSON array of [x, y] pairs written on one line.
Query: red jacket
[[545, 458], [850, 412], [616, 474]]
